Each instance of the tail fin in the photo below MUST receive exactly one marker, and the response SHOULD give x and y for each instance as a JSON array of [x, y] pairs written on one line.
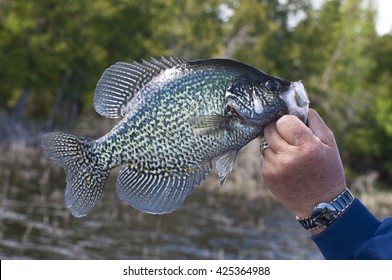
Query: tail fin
[[85, 178]]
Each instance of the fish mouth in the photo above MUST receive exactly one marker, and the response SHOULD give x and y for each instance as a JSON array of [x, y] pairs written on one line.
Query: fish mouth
[[297, 101]]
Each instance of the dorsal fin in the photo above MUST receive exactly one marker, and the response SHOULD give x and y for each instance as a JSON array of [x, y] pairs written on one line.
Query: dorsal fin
[[121, 81]]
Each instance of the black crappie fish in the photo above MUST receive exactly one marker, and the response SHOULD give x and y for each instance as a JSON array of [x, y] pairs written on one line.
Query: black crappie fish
[[178, 115]]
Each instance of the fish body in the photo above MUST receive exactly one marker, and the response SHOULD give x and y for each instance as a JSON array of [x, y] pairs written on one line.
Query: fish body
[[177, 116]]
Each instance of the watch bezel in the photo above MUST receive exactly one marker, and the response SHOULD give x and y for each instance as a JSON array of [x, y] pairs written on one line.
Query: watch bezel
[[324, 214]]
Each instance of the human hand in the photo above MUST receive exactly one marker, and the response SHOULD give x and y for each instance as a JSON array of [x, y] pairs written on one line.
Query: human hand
[[302, 166]]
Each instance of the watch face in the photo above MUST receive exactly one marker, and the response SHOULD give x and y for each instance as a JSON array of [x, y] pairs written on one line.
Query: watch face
[[324, 214]]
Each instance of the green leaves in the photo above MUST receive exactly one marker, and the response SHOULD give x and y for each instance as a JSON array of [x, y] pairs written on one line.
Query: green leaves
[[52, 53]]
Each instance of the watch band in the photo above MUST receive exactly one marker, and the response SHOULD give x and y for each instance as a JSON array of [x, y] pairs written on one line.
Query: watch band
[[325, 214]]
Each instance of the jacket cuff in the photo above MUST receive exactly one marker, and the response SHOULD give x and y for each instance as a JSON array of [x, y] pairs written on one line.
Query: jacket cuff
[[348, 233]]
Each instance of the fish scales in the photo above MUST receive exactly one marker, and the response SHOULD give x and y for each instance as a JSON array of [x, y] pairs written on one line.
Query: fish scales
[[162, 130], [165, 130], [177, 117]]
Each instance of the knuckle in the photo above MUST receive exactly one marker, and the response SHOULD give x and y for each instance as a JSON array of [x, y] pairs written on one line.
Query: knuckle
[[312, 149], [330, 135]]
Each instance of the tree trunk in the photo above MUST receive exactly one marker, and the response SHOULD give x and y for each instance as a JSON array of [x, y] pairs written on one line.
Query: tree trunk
[[20, 107], [57, 102]]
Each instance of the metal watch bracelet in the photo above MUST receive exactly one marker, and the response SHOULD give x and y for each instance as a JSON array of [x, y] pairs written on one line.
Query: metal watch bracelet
[[324, 214]]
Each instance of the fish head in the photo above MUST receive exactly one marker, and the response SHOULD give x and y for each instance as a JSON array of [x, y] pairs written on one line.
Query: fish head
[[260, 102]]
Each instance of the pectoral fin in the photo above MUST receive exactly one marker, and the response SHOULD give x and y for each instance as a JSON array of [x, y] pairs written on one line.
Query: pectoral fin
[[224, 165], [208, 124]]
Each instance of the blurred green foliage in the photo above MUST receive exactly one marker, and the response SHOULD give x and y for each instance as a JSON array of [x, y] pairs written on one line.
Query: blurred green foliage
[[52, 52]]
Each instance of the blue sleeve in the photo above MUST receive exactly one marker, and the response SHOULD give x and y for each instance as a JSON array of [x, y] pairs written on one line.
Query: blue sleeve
[[356, 234]]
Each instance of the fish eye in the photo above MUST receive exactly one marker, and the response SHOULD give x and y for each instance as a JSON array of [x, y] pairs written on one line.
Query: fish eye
[[272, 85]]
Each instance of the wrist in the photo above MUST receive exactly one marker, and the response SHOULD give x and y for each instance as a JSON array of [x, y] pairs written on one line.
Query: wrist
[[317, 230], [326, 213], [305, 208]]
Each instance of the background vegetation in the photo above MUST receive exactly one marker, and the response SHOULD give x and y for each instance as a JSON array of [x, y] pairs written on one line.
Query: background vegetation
[[52, 53]]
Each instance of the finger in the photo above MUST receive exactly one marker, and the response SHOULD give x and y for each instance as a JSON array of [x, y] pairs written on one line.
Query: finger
[[273, 138], [267, 160], [266, 151], [319, 128], [293, 130]]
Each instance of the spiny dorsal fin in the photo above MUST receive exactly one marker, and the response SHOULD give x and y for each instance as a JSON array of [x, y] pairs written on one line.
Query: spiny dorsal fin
[[121, 81]]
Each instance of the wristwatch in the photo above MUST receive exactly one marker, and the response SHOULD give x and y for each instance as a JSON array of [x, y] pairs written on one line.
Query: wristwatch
[[325, 213]]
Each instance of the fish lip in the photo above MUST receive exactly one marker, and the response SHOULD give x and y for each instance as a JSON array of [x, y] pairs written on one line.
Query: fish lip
[[297, 100]]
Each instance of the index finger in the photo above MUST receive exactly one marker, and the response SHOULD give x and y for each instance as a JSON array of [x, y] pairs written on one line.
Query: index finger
[[273, 138], [293, 130]]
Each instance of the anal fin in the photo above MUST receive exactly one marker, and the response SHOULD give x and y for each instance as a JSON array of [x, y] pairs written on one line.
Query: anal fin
[[157, 192]]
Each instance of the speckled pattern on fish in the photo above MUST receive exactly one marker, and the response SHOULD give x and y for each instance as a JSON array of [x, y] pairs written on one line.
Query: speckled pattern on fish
[[177, 116]]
